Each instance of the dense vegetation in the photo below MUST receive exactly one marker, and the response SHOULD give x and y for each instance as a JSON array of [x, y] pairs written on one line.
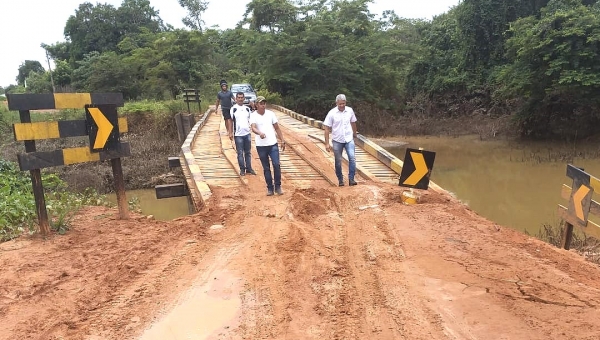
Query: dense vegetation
[[18, 205], [537, 60]]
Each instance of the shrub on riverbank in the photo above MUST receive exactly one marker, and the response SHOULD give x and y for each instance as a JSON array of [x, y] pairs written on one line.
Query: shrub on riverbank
[[17, 207], [588, 247]]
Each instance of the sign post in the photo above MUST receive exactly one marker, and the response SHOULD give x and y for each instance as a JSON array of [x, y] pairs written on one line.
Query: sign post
[[580, 205], [191, 95], [36, 181], [102, 125]]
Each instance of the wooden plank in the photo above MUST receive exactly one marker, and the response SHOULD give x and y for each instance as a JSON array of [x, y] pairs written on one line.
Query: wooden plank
[[20, 101], [33, 131], [170, 190], [123, 125], [174, 162], [71, 100], [581, 177], [362, 171], [107, 98], [307, 151], [46, 159], [78, 155], [49, 101], [57, 129]]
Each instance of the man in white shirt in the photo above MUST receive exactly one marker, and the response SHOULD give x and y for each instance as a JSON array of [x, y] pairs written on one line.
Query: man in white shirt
[[263, 123], [340, 122], [243, 141]]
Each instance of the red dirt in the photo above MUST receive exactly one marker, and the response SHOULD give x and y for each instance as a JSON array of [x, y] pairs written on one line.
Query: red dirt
[[315, 263]]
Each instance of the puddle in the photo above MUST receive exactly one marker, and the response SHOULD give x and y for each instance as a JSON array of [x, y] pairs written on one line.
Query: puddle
[[202, 312], [164, 209]]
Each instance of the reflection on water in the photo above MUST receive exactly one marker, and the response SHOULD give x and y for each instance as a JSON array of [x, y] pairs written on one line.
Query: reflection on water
[[164, 209], [501, 180]]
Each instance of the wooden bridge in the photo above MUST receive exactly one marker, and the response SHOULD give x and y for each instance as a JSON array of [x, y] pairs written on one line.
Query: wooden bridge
[[209, 159]]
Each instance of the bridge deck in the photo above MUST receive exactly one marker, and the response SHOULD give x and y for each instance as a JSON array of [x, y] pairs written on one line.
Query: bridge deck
[[215, 157], [364, 160]]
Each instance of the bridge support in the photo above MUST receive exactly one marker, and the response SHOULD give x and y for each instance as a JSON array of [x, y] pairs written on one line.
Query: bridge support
[[175, 189]]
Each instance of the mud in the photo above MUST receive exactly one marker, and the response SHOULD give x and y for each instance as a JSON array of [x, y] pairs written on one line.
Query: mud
[[316, 263]]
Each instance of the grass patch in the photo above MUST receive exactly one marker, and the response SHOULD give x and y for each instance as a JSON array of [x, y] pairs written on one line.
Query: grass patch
[[17, 207]]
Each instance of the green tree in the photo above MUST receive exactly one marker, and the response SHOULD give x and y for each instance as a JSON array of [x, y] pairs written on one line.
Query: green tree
[[59, 50], [482, 24], [555, 69], [106, 72], [100, 28], [271, 14], [195, 9], [62, 73], [39, 82], [137, 16], [26, 68], [92, 29], [14, 89], [440, 68]]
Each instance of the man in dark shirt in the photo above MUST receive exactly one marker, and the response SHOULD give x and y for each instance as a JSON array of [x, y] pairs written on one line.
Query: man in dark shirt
[[224, 97]]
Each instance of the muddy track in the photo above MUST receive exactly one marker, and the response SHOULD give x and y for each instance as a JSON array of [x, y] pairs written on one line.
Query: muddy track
[[319, 262]]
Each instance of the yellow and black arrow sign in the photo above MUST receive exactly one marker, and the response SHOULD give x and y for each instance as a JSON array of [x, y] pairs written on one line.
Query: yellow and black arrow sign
[[580, 203], [417, 169], [580, 200], [103, 127]]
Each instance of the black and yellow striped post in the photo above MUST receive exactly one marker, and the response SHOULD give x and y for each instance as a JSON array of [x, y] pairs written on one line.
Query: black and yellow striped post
[[100, 124]]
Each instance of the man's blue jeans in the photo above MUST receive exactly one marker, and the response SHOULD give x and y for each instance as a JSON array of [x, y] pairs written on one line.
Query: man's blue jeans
[[242, 146], [264, 153], [338, 148]]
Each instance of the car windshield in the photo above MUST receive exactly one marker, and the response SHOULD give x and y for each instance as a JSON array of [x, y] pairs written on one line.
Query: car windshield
[[242, 88]]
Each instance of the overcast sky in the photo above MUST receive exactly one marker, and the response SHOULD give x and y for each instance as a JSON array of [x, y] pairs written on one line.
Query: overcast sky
[[25, 24]]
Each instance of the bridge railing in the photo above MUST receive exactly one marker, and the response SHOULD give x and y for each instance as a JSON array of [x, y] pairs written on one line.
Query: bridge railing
[[366, 144], [199, 190]]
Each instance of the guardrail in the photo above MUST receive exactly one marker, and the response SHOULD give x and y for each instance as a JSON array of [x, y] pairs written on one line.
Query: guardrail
[[369, 146], [199, 190]]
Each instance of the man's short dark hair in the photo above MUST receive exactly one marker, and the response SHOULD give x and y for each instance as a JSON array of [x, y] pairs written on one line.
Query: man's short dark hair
[[240, 94]]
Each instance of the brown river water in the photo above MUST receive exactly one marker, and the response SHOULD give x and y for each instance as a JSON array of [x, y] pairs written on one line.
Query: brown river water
[[515, 184]]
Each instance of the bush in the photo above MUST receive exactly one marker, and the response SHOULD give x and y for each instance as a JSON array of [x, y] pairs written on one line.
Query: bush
[[588, 247], [4, 120], [271, 97], [17, 208]]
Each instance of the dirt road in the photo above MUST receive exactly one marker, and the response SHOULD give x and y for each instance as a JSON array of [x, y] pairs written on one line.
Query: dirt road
[[316, 263]]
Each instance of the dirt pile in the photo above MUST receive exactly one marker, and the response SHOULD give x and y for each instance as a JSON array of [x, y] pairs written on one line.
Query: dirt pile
[[316, 263]]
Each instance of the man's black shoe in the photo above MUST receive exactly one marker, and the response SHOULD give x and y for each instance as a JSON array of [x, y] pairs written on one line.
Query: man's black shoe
[[341, 184], [352, 182]]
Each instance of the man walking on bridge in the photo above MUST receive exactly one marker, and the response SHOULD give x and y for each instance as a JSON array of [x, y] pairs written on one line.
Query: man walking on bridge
[[243, 141], [225, 97], [340, 122], [263, 123]]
